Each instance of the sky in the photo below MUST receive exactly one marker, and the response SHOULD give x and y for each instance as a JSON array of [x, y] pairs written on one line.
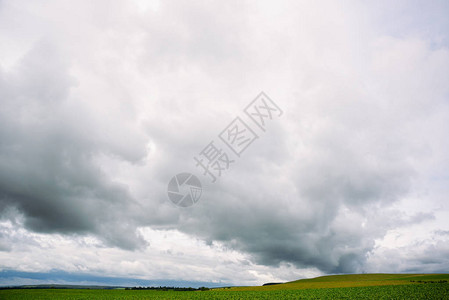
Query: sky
[[102, 103]]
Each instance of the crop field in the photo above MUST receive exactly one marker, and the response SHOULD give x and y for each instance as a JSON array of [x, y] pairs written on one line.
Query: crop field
[[356, 280], [363, 287]]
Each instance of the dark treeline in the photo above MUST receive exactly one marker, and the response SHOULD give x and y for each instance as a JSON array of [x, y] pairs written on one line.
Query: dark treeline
[[168, 288], [429, 281], [272, 283]]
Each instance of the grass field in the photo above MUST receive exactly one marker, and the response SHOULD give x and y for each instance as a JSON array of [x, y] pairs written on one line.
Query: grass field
[[369, 286], [357, 280]]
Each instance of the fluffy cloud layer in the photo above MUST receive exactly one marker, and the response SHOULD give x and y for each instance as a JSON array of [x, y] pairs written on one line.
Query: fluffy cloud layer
[[101, 104]]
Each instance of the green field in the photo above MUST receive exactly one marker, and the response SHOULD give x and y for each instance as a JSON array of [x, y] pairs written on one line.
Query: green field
[[357, 280], [367, 286]]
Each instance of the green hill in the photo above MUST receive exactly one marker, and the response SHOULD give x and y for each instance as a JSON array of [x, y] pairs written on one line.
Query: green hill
[[355, 280]]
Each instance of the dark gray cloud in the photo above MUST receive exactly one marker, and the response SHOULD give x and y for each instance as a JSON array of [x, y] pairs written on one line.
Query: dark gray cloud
[[48, 147]]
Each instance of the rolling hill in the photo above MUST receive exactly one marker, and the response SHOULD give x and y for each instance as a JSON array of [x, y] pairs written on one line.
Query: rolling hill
[[353, 280]]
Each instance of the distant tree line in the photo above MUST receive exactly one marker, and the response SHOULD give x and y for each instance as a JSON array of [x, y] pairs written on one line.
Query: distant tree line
[[272, 283], [429, 281], [168, 288]]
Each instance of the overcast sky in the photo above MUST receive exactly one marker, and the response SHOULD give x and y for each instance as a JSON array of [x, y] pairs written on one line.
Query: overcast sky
[[103, 102]]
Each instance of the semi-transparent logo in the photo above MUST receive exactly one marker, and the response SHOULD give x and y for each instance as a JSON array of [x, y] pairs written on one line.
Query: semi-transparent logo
[[219, 154]]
